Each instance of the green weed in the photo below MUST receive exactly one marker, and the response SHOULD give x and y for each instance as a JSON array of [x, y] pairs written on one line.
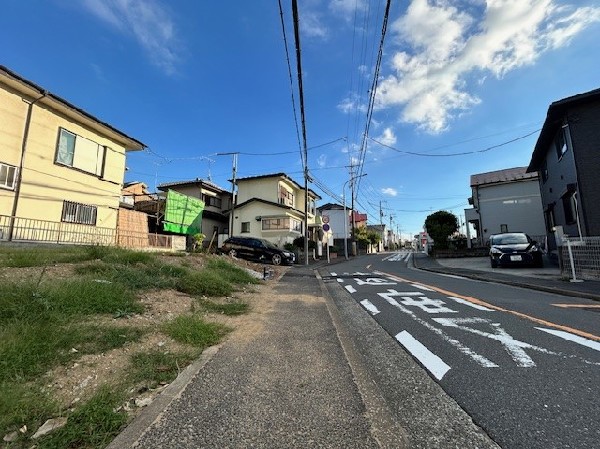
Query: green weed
[[194, 331]]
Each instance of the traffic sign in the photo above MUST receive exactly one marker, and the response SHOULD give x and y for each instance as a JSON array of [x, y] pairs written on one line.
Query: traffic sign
[[326, 227], [325, 219]]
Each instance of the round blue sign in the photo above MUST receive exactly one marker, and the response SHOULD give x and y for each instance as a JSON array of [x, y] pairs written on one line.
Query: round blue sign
[[325, 227]]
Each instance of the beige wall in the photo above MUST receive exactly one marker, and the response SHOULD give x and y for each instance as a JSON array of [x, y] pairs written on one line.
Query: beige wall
[[257, 209], [265, 189], [45, 184]]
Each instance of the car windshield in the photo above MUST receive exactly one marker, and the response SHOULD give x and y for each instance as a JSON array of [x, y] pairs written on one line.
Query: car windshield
[[510, 239], [268, 244]]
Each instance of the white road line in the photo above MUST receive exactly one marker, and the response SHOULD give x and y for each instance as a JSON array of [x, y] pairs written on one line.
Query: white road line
[[453, 276], [350, 289], [422, 287], [340, 280], [369, 306], [572, 337], [470, 304], [428, 359], [333, 274]]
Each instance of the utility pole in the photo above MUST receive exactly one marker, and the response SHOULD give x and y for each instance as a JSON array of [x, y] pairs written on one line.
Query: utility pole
[[233, 182]]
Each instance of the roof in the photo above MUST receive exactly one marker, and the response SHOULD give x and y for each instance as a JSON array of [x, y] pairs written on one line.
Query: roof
[[166, 185], [360, 217], [554, 120], [331, 206], [270, 203], [499, 176], [276, 175], [41, 96]]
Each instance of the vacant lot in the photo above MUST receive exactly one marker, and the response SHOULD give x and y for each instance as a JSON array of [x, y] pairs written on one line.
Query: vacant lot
[[89, 335]]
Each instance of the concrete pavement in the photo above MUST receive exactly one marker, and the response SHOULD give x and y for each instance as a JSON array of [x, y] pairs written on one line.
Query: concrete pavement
[[303, 380]]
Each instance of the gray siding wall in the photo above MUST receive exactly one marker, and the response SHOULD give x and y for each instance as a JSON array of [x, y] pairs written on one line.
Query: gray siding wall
[[584, 124], [516, 204]]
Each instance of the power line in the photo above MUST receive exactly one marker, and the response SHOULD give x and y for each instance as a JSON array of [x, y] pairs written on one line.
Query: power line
[[463, 153]]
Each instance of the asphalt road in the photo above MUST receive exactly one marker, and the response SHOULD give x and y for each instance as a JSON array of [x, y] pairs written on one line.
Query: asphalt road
[[525, 365]]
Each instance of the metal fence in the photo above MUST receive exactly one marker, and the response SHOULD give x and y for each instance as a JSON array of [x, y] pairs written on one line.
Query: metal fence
[[41, 231], [580, 257]]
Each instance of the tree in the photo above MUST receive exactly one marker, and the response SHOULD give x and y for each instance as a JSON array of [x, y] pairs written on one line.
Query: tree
[[440, 225]]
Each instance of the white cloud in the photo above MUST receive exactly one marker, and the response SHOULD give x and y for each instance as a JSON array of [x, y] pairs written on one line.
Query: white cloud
[[389, 191], [448, 46], [351, 105], [387, 137], [346, 8], [149, 23], [312, 26], [322, 160]]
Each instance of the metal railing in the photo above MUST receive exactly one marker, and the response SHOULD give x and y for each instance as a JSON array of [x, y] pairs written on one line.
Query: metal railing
[[580, 257], [42, 231]]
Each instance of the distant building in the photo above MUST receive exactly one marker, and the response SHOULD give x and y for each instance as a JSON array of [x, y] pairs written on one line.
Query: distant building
[[272, 207], [505, 201], [567, 158]]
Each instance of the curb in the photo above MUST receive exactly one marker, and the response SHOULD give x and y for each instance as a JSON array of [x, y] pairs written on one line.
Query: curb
[[150, 414]]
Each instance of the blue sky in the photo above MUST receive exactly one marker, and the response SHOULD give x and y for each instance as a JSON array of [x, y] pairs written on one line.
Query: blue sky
[[192, 79]]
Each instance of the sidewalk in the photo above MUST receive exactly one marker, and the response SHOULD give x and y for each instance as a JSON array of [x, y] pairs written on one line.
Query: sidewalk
[[286, 383], [542, 279]]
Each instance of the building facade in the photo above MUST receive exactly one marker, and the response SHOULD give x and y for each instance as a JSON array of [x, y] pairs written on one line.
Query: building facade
[[567, 158], [505, 201], [59, 165], [272, 207]]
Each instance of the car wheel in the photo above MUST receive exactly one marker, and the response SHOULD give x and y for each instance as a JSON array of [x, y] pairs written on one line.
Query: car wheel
[[232, 253], [276, 259], [493, 263]]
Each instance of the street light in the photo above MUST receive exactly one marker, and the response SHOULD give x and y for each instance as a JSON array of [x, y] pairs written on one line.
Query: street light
[[345, 216]]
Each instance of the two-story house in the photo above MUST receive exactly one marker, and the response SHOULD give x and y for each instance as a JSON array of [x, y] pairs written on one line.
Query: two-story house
[[217, 205], [505, 201], [272, 207], [567, 158], [61, 169]]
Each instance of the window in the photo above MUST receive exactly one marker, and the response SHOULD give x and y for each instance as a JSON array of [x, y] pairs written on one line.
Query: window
[[80, 153], [245, 227], [568, 201], [296, 225], [211, 201], [79, 213], [285, 197], [8, 176], [311, 206], [274, 224], [561, 141], [549, 215], [503, 228]]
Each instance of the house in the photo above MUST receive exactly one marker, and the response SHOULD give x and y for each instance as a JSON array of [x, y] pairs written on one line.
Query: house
[[380, 230], [272, 207], [505, 201], [61, 169], [567, 158], [135, 192], [217, 205]]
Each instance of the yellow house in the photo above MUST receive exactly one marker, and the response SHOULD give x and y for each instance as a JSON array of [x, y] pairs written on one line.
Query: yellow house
[[61, 169], [272, 207]]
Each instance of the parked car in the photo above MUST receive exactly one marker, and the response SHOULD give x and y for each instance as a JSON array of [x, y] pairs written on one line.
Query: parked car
[[514, 248], [256, 249]]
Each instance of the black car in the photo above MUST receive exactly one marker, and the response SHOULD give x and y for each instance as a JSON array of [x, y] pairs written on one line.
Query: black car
[[256, 249], [514, 248]]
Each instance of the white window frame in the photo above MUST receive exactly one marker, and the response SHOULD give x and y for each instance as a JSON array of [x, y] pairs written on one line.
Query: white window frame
[[82, 154], [5, 178], [79, 213]]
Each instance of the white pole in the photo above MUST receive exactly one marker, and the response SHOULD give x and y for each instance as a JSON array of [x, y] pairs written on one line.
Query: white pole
[[574, 279]]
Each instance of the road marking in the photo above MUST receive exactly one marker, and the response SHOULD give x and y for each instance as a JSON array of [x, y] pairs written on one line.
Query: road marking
[[374, 281], [340, 280], [515, 348], [453, 276], [350, 289], [369, 306], [428, 359], [577, 306], [486, 363], [574, 338], [470, 304], [501, 309], [333, 274], [422, 287]]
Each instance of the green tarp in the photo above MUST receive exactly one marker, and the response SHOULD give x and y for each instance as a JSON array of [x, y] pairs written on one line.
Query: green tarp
[[183, 214]]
